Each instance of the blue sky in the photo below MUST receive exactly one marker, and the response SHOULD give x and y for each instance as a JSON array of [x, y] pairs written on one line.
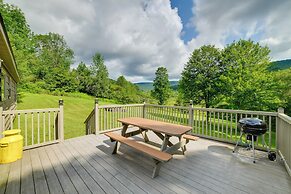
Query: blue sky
[[185, 12], [138, 36]]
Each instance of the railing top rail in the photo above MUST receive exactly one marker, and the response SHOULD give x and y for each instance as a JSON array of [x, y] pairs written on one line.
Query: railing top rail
[[90, 115], [264, 113], [30, 111], [166, 106], [284, 117], [120, 105]]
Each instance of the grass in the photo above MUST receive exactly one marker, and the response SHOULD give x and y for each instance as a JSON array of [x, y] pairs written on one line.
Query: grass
[[76, 109]]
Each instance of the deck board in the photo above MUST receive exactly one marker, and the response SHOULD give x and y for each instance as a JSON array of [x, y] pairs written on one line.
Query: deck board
[[116, 179], [86, 165], [27, 185]]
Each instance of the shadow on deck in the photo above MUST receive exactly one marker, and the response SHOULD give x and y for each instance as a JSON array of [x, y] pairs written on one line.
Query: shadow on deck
[[85, 165]]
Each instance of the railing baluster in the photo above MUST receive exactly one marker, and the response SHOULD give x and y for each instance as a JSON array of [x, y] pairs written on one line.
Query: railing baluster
[[270, 131], [236, 126], [25, 128], [11, 121], [231, 126], [3, 123], [195, 119], [199, 121], [38, 128], [210, 124], [18, 119], [55, 125], [203, 123], [49, 125], [44, 134], [218, 123], [214, 124], [226, 126], [32, 129]]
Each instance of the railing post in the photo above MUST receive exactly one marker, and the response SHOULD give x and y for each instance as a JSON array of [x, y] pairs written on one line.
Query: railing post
[[96, 117], [280, 110], [144, 110], [61, 120], [1, 122], [191, 113]]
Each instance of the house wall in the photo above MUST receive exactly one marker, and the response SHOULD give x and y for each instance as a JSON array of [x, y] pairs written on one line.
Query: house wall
[[7, 90]]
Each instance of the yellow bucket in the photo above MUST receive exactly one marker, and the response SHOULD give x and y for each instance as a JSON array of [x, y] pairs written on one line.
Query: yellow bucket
[[11, 148], [11, 132]]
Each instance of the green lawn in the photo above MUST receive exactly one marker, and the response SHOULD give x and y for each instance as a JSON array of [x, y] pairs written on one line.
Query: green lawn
[[76, 109]]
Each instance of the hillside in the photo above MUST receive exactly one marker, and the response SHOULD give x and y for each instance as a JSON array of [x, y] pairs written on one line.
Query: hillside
[[146, 86], [280, 65], [76, 108]]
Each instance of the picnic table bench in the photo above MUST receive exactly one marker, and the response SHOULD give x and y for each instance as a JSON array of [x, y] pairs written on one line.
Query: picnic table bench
[[162, 129]]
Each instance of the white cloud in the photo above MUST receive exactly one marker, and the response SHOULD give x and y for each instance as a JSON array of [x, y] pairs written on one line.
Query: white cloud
[[266, 21], [135, 37], [138, 36]]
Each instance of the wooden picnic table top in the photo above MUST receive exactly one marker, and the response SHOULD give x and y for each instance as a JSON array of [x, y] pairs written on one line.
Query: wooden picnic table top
[[156, 126]]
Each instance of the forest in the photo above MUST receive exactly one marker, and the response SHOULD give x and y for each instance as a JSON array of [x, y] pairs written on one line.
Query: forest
[[235, 77]]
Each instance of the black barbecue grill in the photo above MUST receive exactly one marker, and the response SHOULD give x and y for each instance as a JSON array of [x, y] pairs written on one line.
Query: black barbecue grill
[[253, 127]]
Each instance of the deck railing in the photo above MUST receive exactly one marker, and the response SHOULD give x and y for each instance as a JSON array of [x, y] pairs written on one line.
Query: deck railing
[[211, 123], [217, 124], [104, 118], [38, 126], [284, 139]]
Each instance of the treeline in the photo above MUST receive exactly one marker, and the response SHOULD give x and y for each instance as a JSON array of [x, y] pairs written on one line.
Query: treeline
[[236, 77], [44, 62]]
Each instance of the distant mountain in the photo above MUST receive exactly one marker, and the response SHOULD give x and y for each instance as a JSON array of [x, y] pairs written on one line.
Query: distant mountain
[[280, 65], [146, 86]]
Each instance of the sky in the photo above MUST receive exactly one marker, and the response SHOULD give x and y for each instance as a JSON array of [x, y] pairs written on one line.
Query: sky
[[138, 36]]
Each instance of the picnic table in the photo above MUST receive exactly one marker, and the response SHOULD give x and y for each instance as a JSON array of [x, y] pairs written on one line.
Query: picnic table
[[162, 129]]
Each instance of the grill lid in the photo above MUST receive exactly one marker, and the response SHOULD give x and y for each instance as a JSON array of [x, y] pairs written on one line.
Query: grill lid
[[252, 123], [252, 126]]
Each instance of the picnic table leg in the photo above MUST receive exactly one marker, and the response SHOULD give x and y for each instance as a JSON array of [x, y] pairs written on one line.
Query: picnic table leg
[[165, 142], [116, 147], [183, 147], [145, 136], [123, 131], [162, 137], [157, 168]]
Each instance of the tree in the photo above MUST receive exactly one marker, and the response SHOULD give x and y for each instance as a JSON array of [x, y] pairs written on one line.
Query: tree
[[100, 81], [247, 82], [55, 58], [83, 77], [53, 52], [200, 77], [21, 39], [283, 80], [161, 84]]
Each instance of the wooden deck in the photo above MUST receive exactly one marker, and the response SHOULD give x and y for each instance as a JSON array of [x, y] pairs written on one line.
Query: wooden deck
[[85, 165]]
